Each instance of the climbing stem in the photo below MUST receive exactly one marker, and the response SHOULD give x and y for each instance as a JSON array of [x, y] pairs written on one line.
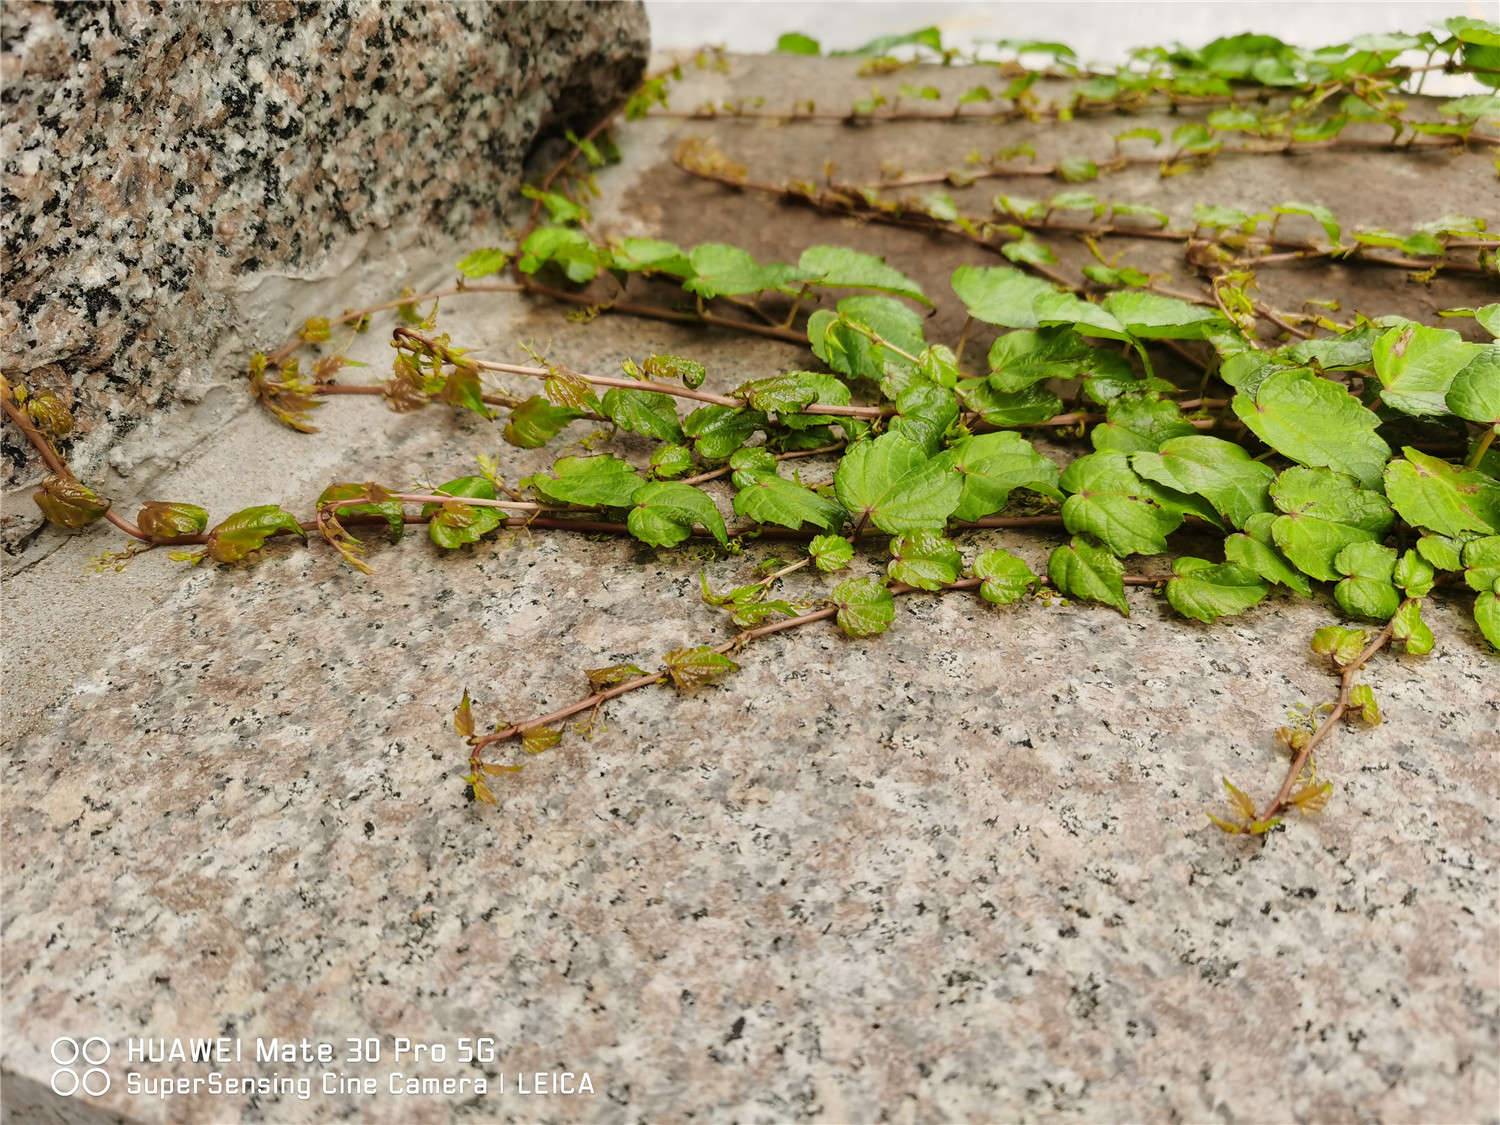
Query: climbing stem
[[1331, 721], [734, 644]]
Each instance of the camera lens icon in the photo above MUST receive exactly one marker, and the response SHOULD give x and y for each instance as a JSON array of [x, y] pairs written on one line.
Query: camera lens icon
[[69, 1054]]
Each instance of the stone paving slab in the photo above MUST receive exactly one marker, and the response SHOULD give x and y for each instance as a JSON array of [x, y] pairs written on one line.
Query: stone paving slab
[[959, 872]]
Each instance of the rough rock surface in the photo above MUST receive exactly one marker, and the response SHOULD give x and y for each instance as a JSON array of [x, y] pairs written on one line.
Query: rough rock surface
[[162, 159], [958, 872]]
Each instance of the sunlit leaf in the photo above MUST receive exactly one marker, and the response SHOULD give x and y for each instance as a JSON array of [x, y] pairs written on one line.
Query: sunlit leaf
[[247, 530], [1082, 570], [666, 511], [865, 607]]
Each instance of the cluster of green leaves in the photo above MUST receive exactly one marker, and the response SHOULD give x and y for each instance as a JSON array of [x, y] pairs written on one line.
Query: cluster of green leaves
[[1233, 227], [1371, 73], [711, 269], [1317, 504]]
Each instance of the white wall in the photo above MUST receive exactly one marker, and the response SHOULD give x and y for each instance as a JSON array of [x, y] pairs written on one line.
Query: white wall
[[1100, 32]]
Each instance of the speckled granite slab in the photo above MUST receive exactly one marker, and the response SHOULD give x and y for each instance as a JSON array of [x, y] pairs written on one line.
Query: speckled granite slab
[[958, 873], [163, 159]]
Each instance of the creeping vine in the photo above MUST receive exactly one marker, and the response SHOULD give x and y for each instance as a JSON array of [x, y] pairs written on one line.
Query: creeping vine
[[1267, 432]]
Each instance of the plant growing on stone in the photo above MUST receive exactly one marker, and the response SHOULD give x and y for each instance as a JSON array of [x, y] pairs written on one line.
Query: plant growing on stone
[[1346, 461]]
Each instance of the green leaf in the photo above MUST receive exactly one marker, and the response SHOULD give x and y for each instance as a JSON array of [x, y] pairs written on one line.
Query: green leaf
[[159, 520], [1482, 562], [1082, 570], [1023, 358], [389, 510], [1265, 560], [1020, 207], [1367, 592], [1407, 625], [927, 560], [1475, 107], [247, 530], [1315, 422], [669, 461], [693, 668], [1006, 578], [851, 353], [1150, 316], [650, 256], [1362, 704], [1156, 215], [795, 43], [666, 368], [1475, 391], [1488, 316], [717, 431], [665, 512], [1416, 365], [643, 412], [569, 249], [1487, 616], [560, 209], [789, 392], [1441, 551], [835, 267], [1341, 644], [536, 422], [455, 523], [830, 552], [752, 461], [1220, 471], [1347, 352], [926, 413], [1007, 297], [928, 37], [1112, 277], [1140, 423], [721, 270], [998, 409], [592, 482], [1112, 503], [893, 483], [1431, 494], [1028, 250], [483, 263], [865, 607], [938, 365], [991, 465], [1077, 169], [1414, 574], [1324, 512], [1322, 215], [1481, 47], [1206, 592], [768, 498], [463, 389]]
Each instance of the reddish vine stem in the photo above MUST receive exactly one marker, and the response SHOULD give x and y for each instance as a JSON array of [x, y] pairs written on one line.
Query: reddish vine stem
[[845, 199], [709, 397], [1125, 160], [56, 465], [1346, 684], [1132, 102], [353, 316], [574, 150], [655, 312], [738, 641], [725, 470]]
